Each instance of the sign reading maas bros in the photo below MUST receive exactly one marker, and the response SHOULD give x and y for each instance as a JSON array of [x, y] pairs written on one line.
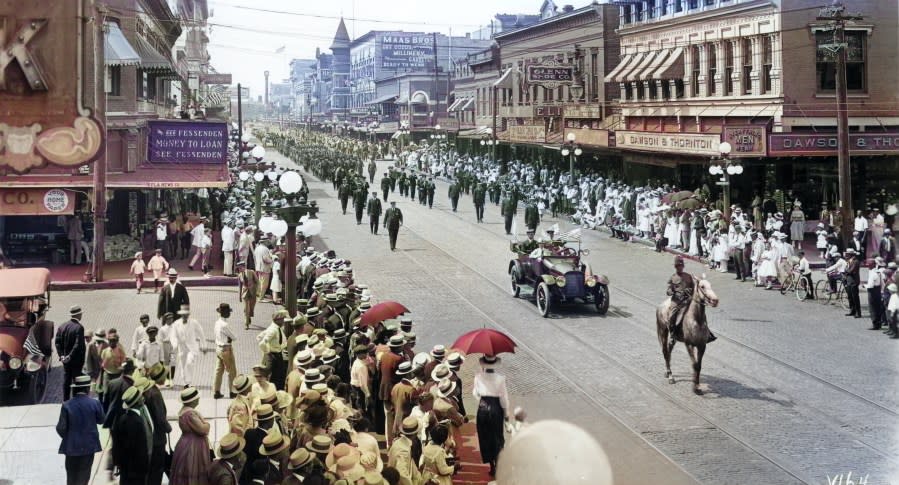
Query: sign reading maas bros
[[187, 142], [406, 50], [826, 144], [685, 143]]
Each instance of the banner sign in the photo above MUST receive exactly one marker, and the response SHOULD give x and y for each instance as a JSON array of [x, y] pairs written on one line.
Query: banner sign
[[549, 74], [217, 78], [747, 141], [36, 202], [403, 51], [687, 143], [825, 144], [528, 133], [172, 141]]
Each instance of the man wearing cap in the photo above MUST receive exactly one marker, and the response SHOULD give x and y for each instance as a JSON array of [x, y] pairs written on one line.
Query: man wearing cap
[[479, 199], [71, 349], [386, 182], [77, 426], [851, 275], [156, 408], [374, 211], [248, 284], [223, 351], [132, 439], [187, 340], [226, 469], [359, 202], [393, 220], [888, 246], [527, 245], [172, 296], [273, 344], [680, 289]]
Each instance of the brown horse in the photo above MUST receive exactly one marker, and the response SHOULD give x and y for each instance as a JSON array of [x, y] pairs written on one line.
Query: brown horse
[[693, 332]]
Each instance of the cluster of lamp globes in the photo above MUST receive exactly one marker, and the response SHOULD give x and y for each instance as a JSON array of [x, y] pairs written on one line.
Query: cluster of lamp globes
[[290, 183], [567, 151], [731, 168]]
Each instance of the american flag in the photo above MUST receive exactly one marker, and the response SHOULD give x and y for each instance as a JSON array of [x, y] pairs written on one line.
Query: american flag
[[31, 345]]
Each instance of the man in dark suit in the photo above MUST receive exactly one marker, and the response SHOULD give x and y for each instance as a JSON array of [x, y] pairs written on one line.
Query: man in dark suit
[[132, 440], [265, 418], [71, 349], [374, 211], [112, 398], [852, 282], [77, 426], [393, 219], [172, 296], [230, 463], [161, 427]]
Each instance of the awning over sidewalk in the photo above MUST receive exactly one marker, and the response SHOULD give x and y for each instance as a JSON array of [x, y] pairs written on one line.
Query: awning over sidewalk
[[150, 58], [468, 106], [610, 77], [648, 60], [455, 105], [383, 99], [673, 67], [159, 176], [635, 61], [117, 51], [507, 80]]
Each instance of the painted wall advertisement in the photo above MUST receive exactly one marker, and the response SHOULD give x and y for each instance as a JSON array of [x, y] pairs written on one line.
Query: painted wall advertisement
[[406, 50], [36, 202], [187, 142], [686, 143], [528, 133], [746, 141], [826, 144]]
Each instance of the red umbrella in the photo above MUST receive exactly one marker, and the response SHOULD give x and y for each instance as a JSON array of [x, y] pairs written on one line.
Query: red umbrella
[[484, 341], [382, 311]]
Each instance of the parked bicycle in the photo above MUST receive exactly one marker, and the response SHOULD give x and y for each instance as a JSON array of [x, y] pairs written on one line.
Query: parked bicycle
[[827, 297], [794, 282]]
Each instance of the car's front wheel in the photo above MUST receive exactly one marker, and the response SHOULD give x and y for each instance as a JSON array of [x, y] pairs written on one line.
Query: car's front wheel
[[516, 290], [544, 299], [601, 299]]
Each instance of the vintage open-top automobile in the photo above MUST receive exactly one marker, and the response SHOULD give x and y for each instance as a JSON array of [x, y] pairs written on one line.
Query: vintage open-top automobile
[[557, 275], [26, 339]]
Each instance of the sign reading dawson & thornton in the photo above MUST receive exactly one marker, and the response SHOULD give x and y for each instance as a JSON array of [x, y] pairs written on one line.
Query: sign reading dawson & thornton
[[826, 144], [187, 142], [685, 143]]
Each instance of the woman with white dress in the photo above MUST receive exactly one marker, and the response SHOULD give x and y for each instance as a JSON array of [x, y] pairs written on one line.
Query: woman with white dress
[[672, 231], [719, 252], [767, 268], [276, 280], [821, 243]]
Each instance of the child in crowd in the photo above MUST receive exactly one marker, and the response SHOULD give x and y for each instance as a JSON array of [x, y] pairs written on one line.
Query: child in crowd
[[138, 268], [158, 265]]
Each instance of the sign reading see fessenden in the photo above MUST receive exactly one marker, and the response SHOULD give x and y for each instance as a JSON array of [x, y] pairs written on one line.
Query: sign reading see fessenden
[[187, 142]]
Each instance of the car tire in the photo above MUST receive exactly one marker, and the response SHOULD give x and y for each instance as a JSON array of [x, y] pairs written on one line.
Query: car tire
[[37, 386], [601, 299], [516, 290], [544, 299]]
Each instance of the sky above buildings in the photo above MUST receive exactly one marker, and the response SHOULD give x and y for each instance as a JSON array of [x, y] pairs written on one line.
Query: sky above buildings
[[250, 37]]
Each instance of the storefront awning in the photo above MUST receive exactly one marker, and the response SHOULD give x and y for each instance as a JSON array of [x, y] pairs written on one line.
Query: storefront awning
[[610, 78], [159, 176], [673, 67], [455, 105], [383, 99], [150, 58], [468, 106], [507, 80], [646, 73], [635, 61], [117, 51]]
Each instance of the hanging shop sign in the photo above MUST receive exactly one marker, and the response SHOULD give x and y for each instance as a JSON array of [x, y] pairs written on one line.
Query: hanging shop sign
[[826, 144], [42, 118], [172, 141], [215, 78], [746, 141], [549, 74], [36, 202], [527, 133], [684, 143]]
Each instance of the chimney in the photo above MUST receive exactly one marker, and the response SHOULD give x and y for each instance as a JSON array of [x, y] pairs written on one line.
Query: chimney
[[567, 8]]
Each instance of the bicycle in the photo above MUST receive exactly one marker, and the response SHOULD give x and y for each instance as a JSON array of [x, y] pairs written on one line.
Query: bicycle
[[794, 282], [826, 297]]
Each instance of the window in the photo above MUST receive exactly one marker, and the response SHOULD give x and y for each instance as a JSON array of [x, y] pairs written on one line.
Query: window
[[650, 8], [696, 70], [728, 68], [692, 3], [664, 7], [678, 88], [594, 78], [678, 5], [666, 90], [628, 91], [626, 13], [767, 60], [140, 87], [747, 66], [826, 61], [114, 81], [713, 69]]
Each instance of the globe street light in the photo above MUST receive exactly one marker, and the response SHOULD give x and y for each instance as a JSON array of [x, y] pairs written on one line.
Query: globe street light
[[724, 166], [571, 150], [292, 213]]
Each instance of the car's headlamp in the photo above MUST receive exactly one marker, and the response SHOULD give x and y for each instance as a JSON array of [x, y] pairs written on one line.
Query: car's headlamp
[[560, 280], [591, 282], [15, 363]]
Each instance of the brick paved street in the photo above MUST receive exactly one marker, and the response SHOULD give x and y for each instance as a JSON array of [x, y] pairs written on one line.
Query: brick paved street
[[795, 392]]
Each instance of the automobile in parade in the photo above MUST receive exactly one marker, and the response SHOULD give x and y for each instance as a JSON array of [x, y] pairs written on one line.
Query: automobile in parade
[[26, 339], [557, 274]]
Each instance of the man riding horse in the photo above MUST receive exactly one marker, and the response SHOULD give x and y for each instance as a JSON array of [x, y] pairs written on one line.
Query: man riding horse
[[680, 288]]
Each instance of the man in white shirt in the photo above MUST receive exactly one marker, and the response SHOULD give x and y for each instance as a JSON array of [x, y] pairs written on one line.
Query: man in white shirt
[[273, 344], [805, 273], [224, 352], [861, 225], [150, 351], [245, 244], [360, 381], [835, 271], [262, 256], [140, 334], [162, 233], [196, 239], [187, 339], [875, 295], [228, 244], [735, 242]]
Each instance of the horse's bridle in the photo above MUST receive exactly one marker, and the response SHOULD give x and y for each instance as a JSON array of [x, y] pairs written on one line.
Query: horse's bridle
[[702, 298]]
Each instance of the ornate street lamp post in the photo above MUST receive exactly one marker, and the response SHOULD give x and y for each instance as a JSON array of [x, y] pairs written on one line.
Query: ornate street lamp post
[[571, 150], [726, 167]]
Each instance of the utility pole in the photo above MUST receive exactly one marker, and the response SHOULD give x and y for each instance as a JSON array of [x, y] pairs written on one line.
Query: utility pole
[[239, 124], [835, 14], [436, 75]]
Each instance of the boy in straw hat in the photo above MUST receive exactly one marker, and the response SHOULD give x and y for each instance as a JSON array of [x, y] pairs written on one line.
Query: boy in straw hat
[[241, 405], [138, 268], [77, 426]]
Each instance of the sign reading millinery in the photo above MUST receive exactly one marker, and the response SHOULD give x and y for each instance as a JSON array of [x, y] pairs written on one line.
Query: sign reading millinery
[[187, 142], [42, 119], [747, 141], [528, 133], [402, 51], [36, 202], [687, 143], [826, 144], [217, 78], [549, 74]]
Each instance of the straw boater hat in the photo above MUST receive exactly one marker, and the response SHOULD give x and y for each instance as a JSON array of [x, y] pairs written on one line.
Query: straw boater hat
[[455, 360], [242, 384], [307, 399], [396, 342], [329, 356], [131, 397], [320, 444], [285, 400], [313, 376], [312, 312], [190, 395], [304, 358], [300, 458], [75, 310], [438, 352], [270, 397], [81, 381], [261, 371], [321, 388], [441, 372], [446, 387], [230, 446], [185, 310], [404, 368], [411, 426], [273, 443], [342, 450], [142, 383], [172, 272], [264, 412], [489, 360]]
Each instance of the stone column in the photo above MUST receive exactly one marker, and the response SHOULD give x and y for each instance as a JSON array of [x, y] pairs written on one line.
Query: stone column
[[755, 75], [703, 70], [776, 65], [688, 72], [720, 69], [736, 76]]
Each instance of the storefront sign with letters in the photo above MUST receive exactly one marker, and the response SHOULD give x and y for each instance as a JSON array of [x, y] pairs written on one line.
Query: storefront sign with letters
[[684, 143], [746, 141], [187, 142], [826, 144], [36, 202], [528, 133]]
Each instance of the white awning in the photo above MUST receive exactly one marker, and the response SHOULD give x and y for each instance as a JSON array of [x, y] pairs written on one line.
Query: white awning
[[610, 77], [673, 67], [622, 75], [455, 105], [117, 51], [507, 80], [633, 74], [646, 74], [468, 105]]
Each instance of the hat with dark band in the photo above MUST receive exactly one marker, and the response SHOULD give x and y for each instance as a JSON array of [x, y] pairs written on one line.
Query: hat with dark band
[[131, 397], [242, 384], [273, 443], [264, 412], [230, 446], [157, 372], [300, 458], [190, 395], [320, 444], [411, 426], [82, 381]]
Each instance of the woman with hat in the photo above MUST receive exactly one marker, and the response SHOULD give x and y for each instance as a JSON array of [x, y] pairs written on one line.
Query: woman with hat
[[434, 459], [493, 408], [231, 459], [190, 461]]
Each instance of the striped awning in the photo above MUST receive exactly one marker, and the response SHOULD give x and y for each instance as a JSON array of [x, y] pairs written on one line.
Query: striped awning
[[117, 51], [151, 59]]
